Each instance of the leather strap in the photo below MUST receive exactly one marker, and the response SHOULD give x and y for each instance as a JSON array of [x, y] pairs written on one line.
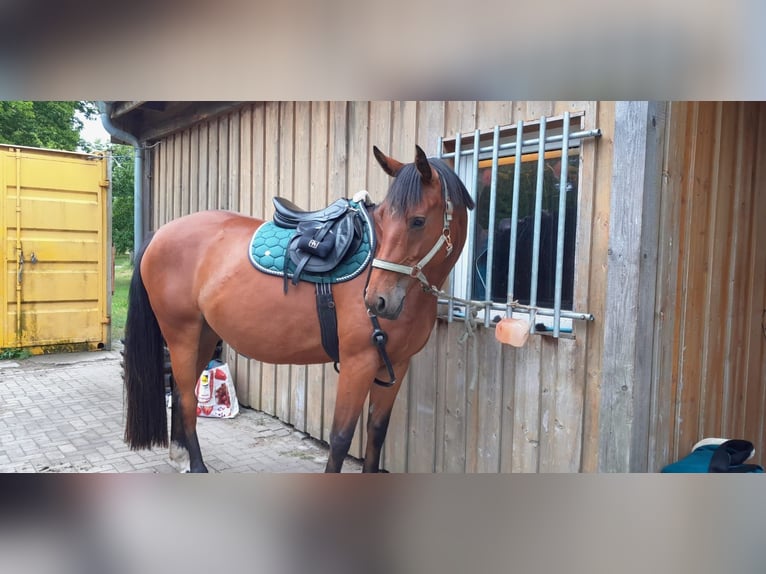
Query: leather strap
[[379, 339], [328, 322]]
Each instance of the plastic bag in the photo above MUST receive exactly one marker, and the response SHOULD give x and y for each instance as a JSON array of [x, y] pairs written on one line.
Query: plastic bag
[[216, 396]]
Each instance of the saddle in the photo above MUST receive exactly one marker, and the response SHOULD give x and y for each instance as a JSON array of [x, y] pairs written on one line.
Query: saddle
[[289, 215], [322, 238], [322, 241]]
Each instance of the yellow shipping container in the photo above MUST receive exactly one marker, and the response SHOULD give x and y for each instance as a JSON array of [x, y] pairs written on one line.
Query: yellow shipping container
[[56, 239]]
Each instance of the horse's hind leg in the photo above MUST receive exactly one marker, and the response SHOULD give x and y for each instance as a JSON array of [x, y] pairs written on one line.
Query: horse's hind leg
[[381, 404], [188, 359]]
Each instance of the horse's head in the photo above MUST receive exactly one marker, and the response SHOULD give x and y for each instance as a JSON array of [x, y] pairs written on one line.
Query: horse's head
[[421, 229]]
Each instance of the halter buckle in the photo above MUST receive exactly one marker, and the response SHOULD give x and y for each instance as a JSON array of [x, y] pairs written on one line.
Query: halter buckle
[[448, 240]]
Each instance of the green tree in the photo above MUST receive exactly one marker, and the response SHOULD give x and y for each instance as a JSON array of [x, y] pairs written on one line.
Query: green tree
[[122, 198], [53, 125]]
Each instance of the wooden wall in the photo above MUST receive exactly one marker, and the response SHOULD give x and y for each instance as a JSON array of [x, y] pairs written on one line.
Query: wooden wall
[[489, 408], [469, 404], [709, 346]]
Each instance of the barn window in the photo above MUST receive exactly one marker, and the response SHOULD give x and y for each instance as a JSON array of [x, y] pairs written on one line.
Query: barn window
[[520, 254]]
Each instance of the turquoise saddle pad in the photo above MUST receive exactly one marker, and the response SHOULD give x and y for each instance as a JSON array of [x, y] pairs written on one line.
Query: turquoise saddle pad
[[268, 249]]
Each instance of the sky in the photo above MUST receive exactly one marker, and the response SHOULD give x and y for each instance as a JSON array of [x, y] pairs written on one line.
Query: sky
[[93, 130]]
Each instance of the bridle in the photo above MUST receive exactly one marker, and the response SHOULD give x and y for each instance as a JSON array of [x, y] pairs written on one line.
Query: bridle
[[416, 271], [379, 337]]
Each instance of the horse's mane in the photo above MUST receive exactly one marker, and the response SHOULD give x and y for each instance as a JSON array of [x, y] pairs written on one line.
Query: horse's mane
[[406, 190]]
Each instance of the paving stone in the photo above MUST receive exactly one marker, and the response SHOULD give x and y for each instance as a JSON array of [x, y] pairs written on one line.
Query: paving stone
[[65, 414]]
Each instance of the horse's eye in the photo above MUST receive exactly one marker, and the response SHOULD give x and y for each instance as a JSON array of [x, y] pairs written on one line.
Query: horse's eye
[[418, 222]]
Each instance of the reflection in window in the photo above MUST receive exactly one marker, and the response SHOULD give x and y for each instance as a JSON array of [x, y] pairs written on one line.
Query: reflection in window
[[525, 232]]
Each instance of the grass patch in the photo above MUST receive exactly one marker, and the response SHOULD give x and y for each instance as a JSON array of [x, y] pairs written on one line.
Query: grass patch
[[14, 353], [123, 271]]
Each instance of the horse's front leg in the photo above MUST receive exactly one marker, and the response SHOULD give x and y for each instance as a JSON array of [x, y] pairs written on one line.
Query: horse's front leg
[[381, 404], [353, 387]]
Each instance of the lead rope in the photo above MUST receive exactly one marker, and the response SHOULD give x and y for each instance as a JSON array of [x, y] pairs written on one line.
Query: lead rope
[[379, 339]]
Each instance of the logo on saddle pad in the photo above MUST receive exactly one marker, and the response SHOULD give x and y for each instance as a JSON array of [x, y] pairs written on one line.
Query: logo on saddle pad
[[328, 246]]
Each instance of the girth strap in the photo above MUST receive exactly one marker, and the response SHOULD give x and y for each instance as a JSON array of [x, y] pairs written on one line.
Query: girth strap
[[328, 322]]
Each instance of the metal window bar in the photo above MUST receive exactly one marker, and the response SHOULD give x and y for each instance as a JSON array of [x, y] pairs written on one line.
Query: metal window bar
[[560, 232], [491, 228], [514, 216], [538, 218], [518, 146]]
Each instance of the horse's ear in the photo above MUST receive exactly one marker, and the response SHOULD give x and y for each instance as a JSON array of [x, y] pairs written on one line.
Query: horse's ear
[[389, 165], [421, 161]]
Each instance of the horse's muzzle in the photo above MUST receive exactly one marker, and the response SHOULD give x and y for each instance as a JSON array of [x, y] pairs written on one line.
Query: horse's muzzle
[[384, 306]]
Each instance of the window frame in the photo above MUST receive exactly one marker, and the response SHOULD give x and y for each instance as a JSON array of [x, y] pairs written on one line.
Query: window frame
[[495, 146]]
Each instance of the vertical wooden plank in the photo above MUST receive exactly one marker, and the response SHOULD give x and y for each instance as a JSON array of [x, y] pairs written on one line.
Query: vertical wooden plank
[[560, 448], [271, 151], [647, 284], [170, 187], [431, 116], [194, 168], [667, 323], [422, 383], [421, 416], [755, 188], [489, 403], [694, 277], [234, 160], [631, 279], [337, 178], [717, 285], [508, 374], [203, 166], [736, 383], [160, 195], [403, 131], [175, 176], [459, 117], [380, 135], [315, 393], [585, 200], [459, 346], [185, 173], [285, 144], [211, 197], [245, 190], [537, 109], [358, 153], [760, 259], [301, 196], [526, 427], [441, 375], [490, 114], [224, 192], [258, 197], [222, 199], [590, 279], [548, 412]]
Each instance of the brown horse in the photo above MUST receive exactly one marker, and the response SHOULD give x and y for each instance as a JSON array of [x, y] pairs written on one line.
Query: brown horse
[[193, 285]]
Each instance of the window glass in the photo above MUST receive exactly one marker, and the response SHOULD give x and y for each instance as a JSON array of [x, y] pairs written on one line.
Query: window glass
[[525, 231]]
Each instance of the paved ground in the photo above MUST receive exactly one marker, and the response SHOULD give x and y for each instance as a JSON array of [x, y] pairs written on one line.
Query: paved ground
[[64, 413]]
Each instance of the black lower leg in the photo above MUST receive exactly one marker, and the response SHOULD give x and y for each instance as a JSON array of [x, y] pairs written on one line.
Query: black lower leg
[[340, 443]]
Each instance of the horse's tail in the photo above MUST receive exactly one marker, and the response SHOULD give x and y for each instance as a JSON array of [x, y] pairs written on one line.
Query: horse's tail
[[146, 419]]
